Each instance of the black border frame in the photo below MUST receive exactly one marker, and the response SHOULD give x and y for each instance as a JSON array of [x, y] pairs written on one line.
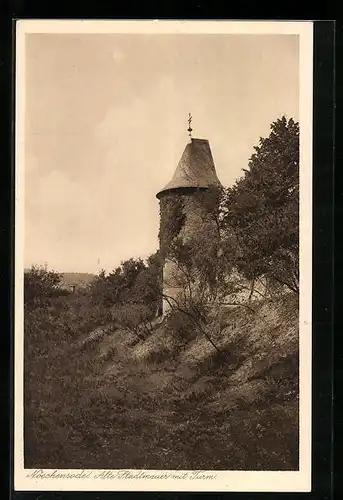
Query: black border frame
[[323, 251]]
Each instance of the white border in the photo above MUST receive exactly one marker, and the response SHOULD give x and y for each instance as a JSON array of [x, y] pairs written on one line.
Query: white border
[[235, 481]]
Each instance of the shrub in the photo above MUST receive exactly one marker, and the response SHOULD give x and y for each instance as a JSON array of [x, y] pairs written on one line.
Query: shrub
[[40, 285], [180, 325], [134, 318]]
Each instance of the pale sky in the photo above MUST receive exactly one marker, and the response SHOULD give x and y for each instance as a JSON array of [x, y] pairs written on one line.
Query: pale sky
[[106, 119]]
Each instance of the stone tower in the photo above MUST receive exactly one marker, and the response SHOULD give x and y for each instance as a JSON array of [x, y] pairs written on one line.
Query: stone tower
[[184, 209]]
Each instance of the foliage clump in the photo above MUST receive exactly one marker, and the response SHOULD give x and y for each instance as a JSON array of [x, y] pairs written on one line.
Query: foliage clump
[[41, 285], [133, 282], [261, 210], [172, 219]]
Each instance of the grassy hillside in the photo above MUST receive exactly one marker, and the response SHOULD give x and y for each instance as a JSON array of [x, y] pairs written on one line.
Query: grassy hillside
[[97, 397]]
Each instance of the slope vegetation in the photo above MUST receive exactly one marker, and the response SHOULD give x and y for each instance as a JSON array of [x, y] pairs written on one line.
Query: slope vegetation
[[106, 399]]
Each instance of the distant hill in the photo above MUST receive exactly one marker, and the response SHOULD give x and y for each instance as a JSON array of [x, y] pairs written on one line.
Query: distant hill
[[77, 279]]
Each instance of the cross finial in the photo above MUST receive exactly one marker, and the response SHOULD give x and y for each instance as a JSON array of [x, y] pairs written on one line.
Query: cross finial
[[189, 130]]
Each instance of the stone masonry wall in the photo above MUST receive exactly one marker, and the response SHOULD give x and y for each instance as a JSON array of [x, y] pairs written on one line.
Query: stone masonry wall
[[192, 218]]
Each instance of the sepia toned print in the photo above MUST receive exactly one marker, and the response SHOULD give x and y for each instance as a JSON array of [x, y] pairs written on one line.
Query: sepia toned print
[[164, 187]]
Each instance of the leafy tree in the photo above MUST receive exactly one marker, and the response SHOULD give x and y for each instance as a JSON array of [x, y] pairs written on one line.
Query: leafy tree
[[261, 209], [133, 282], [147, 289], [201, 270], [114, 287], [133, 317], [41, 285]]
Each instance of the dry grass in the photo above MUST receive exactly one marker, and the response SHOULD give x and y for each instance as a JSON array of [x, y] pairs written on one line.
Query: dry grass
[[166, 402]]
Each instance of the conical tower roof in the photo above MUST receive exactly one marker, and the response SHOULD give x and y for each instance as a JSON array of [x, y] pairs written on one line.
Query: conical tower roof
[[195, 169]]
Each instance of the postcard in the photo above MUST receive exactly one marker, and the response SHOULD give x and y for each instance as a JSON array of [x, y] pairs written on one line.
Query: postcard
[[163, 255]]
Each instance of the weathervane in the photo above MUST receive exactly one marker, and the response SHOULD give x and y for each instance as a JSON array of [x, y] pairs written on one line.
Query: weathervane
[[189, 130]]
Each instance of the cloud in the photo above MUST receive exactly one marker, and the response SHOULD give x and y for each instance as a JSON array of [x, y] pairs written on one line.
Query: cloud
[[137, 136], [120, 121], [61, 207], [70, 224], [117, 54]]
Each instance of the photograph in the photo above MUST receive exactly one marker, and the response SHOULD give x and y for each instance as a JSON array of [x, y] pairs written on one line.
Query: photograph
[[163, 255]]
